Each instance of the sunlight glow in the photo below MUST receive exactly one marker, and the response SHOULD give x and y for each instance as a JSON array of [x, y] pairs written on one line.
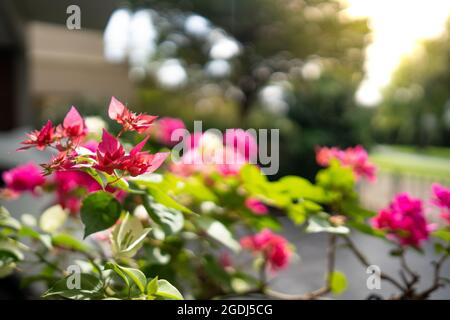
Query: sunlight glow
[[398, 26]]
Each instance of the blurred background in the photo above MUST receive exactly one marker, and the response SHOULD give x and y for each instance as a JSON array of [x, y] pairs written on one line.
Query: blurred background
[[324, 72]]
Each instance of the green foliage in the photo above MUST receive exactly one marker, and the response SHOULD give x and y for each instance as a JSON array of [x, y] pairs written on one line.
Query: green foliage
[[338, 282], [216, 230], [99, 211], [91, 287], [128, 237], [320, 223]]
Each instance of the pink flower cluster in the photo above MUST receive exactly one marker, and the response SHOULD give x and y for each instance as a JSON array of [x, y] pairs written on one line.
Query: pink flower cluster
[[23, 178], [441, 199], [109, 155], [256, 206], [164, 128], [404, 220], [206, 153], [75, 154], [275, 248], [356, 158]]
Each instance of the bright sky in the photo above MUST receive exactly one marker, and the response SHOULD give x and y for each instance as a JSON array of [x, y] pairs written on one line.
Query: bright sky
[[398, 25]]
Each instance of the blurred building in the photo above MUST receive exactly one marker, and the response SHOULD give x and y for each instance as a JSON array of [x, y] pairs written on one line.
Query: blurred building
[[43, 63]]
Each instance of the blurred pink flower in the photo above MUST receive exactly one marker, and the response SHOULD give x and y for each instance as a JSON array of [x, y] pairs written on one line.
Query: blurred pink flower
[[23, 178], [404, 220], [275, 248], [109, 153], [68, 185], [225, 260], [164, 128], [355, 158], [129, 120], [243, 142], [256, 206], [73, 125], [441, 199], [40, 138], [139, 162]]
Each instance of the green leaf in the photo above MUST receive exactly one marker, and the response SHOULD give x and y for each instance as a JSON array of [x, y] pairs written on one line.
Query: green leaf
[[70, 242], [170, 220], [7, 221], [46, 239], [299, 188], [166, 290], [164, 199], [337, 179], [152, 286], [216, 230], [443, 234], [94, 174], [318, 223], [99, 211], [135, 275], [128, 237], [338, 282], [90, 287], [53, 219], [299, 211]]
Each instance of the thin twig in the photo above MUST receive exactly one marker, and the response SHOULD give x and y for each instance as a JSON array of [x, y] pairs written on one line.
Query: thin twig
[[366, 263], [331, 258], [436, 281]]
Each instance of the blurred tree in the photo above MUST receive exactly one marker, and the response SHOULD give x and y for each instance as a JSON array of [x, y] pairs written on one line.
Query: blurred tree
[[297, 67], [416, 105]]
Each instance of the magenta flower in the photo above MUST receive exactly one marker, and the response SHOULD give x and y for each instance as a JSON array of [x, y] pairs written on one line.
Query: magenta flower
[[68, 187], [256, 206], [23, 178], [275, 248], [356, 158], [110, 153], [404, 221], [73, 125], [441, 199], [40, 138], [139, 162], [242, 142], [165, 127], [130, 121]]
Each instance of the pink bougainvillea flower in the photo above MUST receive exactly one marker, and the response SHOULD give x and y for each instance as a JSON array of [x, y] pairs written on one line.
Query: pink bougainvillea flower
[[256, 206], [225, 260], [165, 127], [404, 221], [139, 162], [110, 154], [275, 248], [130, 121], [40, 138], [441, 196], [23, 178], [59, 162], [73, 125], [441, 199], [243, 142], [192, 141], [70, 187], [324, 155], [91, 145], [355, 158], [206, 155]]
